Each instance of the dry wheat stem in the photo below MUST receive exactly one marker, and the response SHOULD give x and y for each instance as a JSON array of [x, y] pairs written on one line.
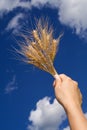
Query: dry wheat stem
[[40, 50]]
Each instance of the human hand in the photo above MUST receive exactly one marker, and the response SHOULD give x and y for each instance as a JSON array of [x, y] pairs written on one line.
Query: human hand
[[67, 92]]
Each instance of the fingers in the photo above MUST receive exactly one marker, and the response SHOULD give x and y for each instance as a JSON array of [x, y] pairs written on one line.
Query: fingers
[[80, 95], [75, 82], [66, 87], [64, 77], [56, 83], [79, 92]]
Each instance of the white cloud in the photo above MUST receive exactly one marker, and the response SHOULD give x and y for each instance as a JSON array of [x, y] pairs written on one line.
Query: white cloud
[[11, 86], [47, 116], [38, 3], [72, 13], [14, 23], [8, 5], [67, 128]]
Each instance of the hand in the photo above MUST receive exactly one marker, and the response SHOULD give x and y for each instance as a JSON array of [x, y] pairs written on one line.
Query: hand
[[67, 92]]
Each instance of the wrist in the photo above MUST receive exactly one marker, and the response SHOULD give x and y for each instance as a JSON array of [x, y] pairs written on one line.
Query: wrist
[[75, 112], [73, 108], [75, 116]]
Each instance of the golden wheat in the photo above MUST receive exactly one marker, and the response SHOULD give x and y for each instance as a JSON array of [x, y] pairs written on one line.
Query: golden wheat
[[40, 48]]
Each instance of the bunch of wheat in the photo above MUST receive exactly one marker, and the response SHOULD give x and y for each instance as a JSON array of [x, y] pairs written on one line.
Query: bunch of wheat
[[40, 48]]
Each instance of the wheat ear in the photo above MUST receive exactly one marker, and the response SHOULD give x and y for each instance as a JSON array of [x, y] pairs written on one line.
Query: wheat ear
[[40, 50]]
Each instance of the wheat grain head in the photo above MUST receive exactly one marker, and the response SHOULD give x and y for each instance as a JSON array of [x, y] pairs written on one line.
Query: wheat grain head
[[40, 50]]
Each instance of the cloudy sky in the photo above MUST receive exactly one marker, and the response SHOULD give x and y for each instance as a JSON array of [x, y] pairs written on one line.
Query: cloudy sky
[[27, 100]]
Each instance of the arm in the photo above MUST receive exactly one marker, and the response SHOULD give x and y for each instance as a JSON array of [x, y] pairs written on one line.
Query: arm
[[69, 96]]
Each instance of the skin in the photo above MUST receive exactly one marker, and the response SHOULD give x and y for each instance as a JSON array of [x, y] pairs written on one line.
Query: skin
[[69, 96]]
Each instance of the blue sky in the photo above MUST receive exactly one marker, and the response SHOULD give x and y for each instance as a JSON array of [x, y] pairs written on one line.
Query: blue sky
[[27, 100]]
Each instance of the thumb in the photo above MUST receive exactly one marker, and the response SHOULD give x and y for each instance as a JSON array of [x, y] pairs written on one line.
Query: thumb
[[56, 83]]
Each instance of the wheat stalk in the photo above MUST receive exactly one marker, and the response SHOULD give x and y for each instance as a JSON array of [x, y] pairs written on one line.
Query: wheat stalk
[[40, 49]]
